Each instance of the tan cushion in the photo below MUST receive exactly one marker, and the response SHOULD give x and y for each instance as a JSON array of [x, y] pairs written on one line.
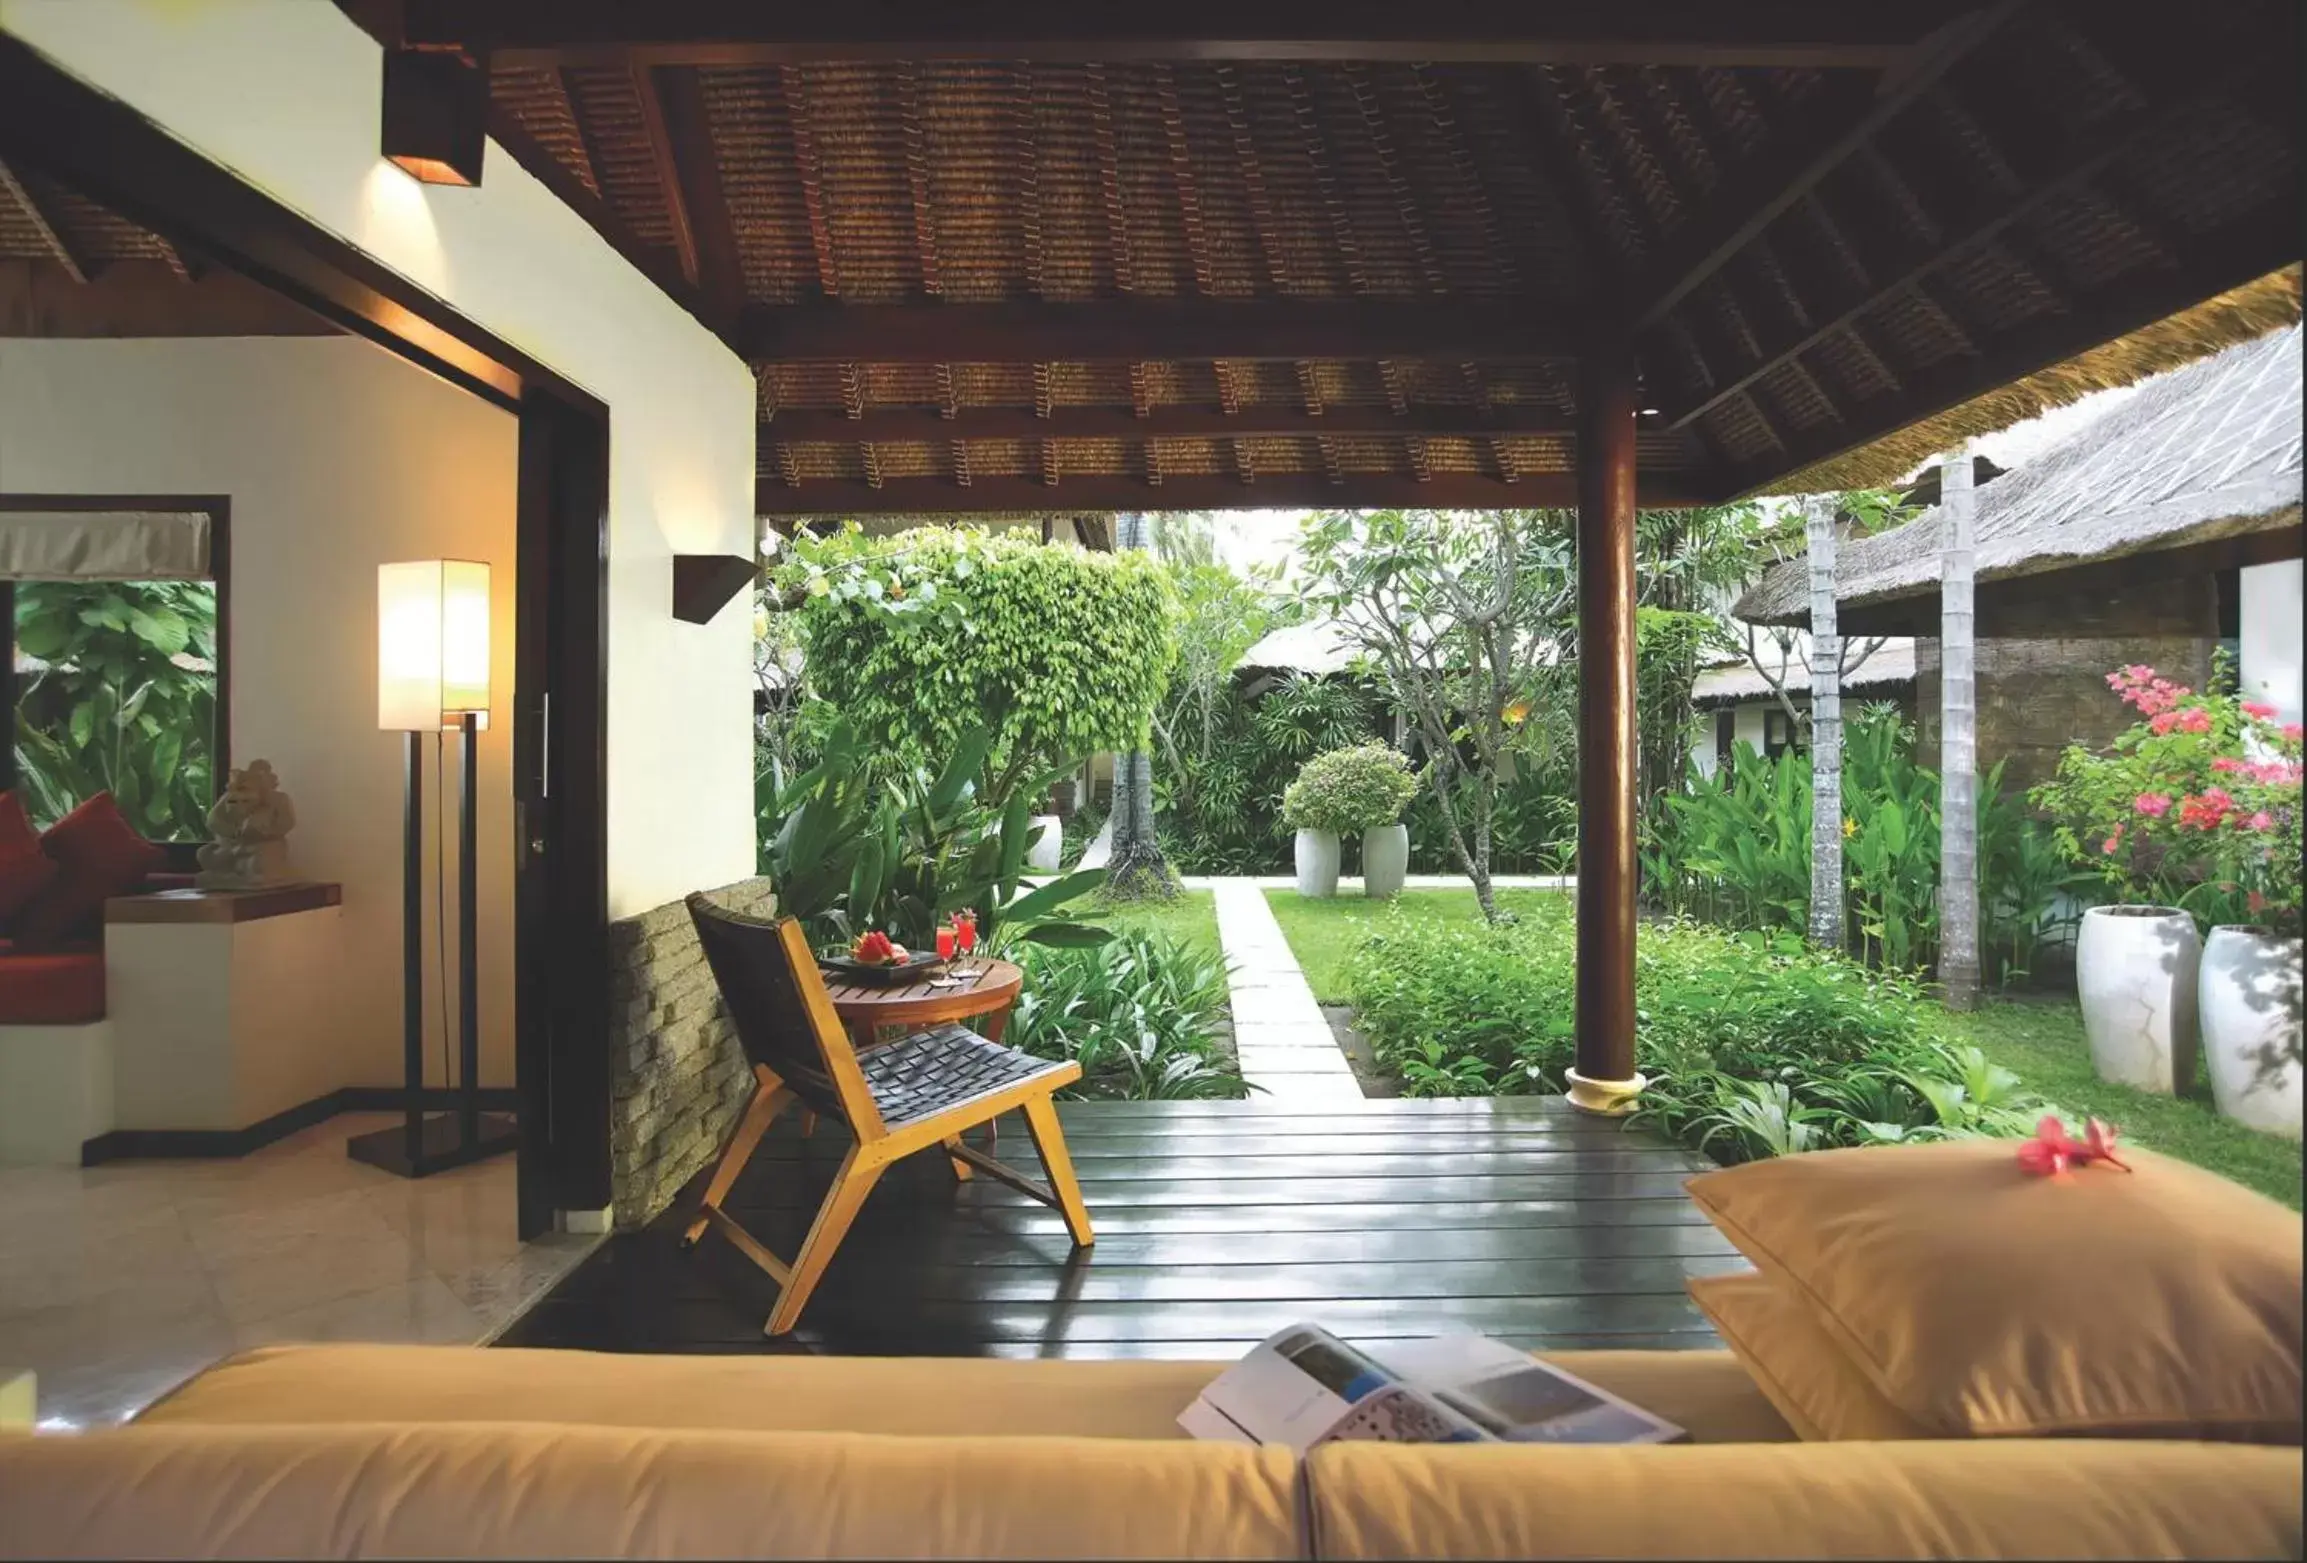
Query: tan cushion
[[1705, 1391], [480, 1490], [1982, 1300], [2015, 1498], [1796, 1363]]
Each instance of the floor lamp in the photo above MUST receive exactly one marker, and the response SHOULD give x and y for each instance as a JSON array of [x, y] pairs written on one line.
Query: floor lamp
[[433, 677]]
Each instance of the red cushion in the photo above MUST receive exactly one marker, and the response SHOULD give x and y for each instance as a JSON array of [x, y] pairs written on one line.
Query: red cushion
[[51, 987], [25, 870], [98, 855]]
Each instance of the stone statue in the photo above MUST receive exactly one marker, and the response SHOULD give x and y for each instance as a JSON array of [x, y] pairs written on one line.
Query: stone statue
[[250, 822]]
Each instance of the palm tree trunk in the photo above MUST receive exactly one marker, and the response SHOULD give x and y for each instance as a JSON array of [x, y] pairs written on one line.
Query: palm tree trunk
[[1137, 868], [1826, 899], [1958, 742]]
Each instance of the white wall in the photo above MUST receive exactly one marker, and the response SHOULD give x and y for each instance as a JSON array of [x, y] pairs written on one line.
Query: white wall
[[337, 457], [2270, 605], [286, 94]]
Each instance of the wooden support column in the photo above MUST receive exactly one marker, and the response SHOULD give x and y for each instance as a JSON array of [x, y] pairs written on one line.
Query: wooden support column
[[1604, 1079]]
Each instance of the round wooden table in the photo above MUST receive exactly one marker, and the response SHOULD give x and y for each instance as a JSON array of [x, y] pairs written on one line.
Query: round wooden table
[[984, 996]]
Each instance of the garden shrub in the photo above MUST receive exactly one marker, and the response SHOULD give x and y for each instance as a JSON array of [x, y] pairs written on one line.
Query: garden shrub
[[1755, 1043], [1348, 791], [1140, 1013], [915, 639]]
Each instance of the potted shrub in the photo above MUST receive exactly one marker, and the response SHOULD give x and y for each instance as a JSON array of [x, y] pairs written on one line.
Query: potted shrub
[[1361, 790], [2137, 959], [2249, 992], [1312, 808]]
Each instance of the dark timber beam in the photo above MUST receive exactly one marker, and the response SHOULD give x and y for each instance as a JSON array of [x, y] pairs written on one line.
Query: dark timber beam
[[1119, 423], [1604, 1079], [12, 185], [1085, 492], [1797, 34], [2227, 258], [2118, 137], [689, 172], [1844, 117], [1120, 330]]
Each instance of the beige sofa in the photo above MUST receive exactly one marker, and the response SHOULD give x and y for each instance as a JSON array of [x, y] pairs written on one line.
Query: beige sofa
[[359, 1451]]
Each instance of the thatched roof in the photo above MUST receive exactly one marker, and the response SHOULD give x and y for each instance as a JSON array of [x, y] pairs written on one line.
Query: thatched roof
[[2207, 452], [1123, 265], [1891, 664]]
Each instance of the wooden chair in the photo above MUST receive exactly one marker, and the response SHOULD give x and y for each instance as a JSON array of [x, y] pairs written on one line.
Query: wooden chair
[[900, 1097]]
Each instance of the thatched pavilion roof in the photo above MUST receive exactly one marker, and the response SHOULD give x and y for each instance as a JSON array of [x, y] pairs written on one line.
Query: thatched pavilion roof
[[2208, 453], [1028, 256]]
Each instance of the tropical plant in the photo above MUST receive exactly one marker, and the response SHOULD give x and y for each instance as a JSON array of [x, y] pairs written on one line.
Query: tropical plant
[[1140, 1014], [1348, 791], [852, 851], [1467, 619], [917, 638], [116, 691], [2197, 804]]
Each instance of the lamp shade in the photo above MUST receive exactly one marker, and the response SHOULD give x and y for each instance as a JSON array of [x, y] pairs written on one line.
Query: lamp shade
[[432, 644]]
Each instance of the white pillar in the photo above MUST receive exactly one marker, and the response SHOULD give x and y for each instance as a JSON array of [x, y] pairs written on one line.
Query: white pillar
[[2269, 605]]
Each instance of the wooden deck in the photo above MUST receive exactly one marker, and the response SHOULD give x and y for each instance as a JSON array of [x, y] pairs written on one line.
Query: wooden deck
[[1218, 1223]]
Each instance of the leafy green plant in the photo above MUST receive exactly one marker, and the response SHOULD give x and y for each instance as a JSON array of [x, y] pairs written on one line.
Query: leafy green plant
[[1140, 1014], [1348, 791], [852, 851], [120, 696], [918, 638]]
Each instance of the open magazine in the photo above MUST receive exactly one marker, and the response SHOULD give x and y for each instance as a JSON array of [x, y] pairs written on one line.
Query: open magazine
[[1305, 1386]]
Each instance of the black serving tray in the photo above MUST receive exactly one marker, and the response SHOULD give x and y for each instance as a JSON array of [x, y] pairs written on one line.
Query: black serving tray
[[889, 974]]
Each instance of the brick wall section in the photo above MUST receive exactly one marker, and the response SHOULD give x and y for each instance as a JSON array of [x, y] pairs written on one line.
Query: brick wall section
[[2043, 663], [677, 1074]]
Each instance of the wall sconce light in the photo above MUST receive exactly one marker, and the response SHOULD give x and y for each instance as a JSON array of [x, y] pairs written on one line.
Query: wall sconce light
[[703, 584], [436, 112]]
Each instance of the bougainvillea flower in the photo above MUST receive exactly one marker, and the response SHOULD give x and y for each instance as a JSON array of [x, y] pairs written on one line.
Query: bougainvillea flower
[[2293, 732], [2260, 821], [2153, 804], [2258, 709], [2113, 843], [2164, 722], [2227, 763], [2196, 720]]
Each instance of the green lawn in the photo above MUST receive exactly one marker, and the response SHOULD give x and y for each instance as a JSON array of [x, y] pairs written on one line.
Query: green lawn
[[2041, 1038], [1323, 933], [1193, 916], [2038, 1036]]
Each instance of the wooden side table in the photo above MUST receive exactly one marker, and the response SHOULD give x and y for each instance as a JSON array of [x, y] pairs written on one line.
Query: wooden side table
[[985, 997], [219, 1002]]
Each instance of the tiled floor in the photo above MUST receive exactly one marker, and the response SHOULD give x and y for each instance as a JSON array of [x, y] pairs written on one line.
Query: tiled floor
[[118, 1281]]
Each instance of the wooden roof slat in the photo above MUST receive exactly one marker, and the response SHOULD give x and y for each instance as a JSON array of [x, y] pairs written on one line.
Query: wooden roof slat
[[1250, 421], [1095, 491], [1120, 330], [1801, 34], [2085, 156], [1845, 119], [76, 266], [2239, 256]]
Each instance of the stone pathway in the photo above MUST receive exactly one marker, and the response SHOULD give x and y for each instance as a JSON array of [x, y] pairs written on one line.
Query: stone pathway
[[1287, 1052]]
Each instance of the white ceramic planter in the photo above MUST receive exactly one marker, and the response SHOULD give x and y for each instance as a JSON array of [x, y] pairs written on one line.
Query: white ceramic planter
[[1047, 854], [2135, 969], [1317, 854], [1385, 860], [2249, 995]]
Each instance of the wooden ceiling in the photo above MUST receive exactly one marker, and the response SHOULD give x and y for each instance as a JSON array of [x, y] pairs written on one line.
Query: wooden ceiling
[[71, 268], [1049, 256]]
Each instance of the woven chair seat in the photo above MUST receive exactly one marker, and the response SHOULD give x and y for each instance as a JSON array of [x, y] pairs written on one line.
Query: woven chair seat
[[928, 1072]]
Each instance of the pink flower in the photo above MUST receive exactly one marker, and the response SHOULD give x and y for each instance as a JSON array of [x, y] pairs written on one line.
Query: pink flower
[[2153, 804], [2113, 842], [2164, 722], [2207, 810], [2227, 763], [2258, 709], [2256, 901], [2260, 821], [2197, 720], [2292, 732]]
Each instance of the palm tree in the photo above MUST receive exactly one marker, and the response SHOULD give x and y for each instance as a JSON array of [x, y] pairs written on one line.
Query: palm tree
[[1959, 739], [1137, 868], [1826, 907]]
